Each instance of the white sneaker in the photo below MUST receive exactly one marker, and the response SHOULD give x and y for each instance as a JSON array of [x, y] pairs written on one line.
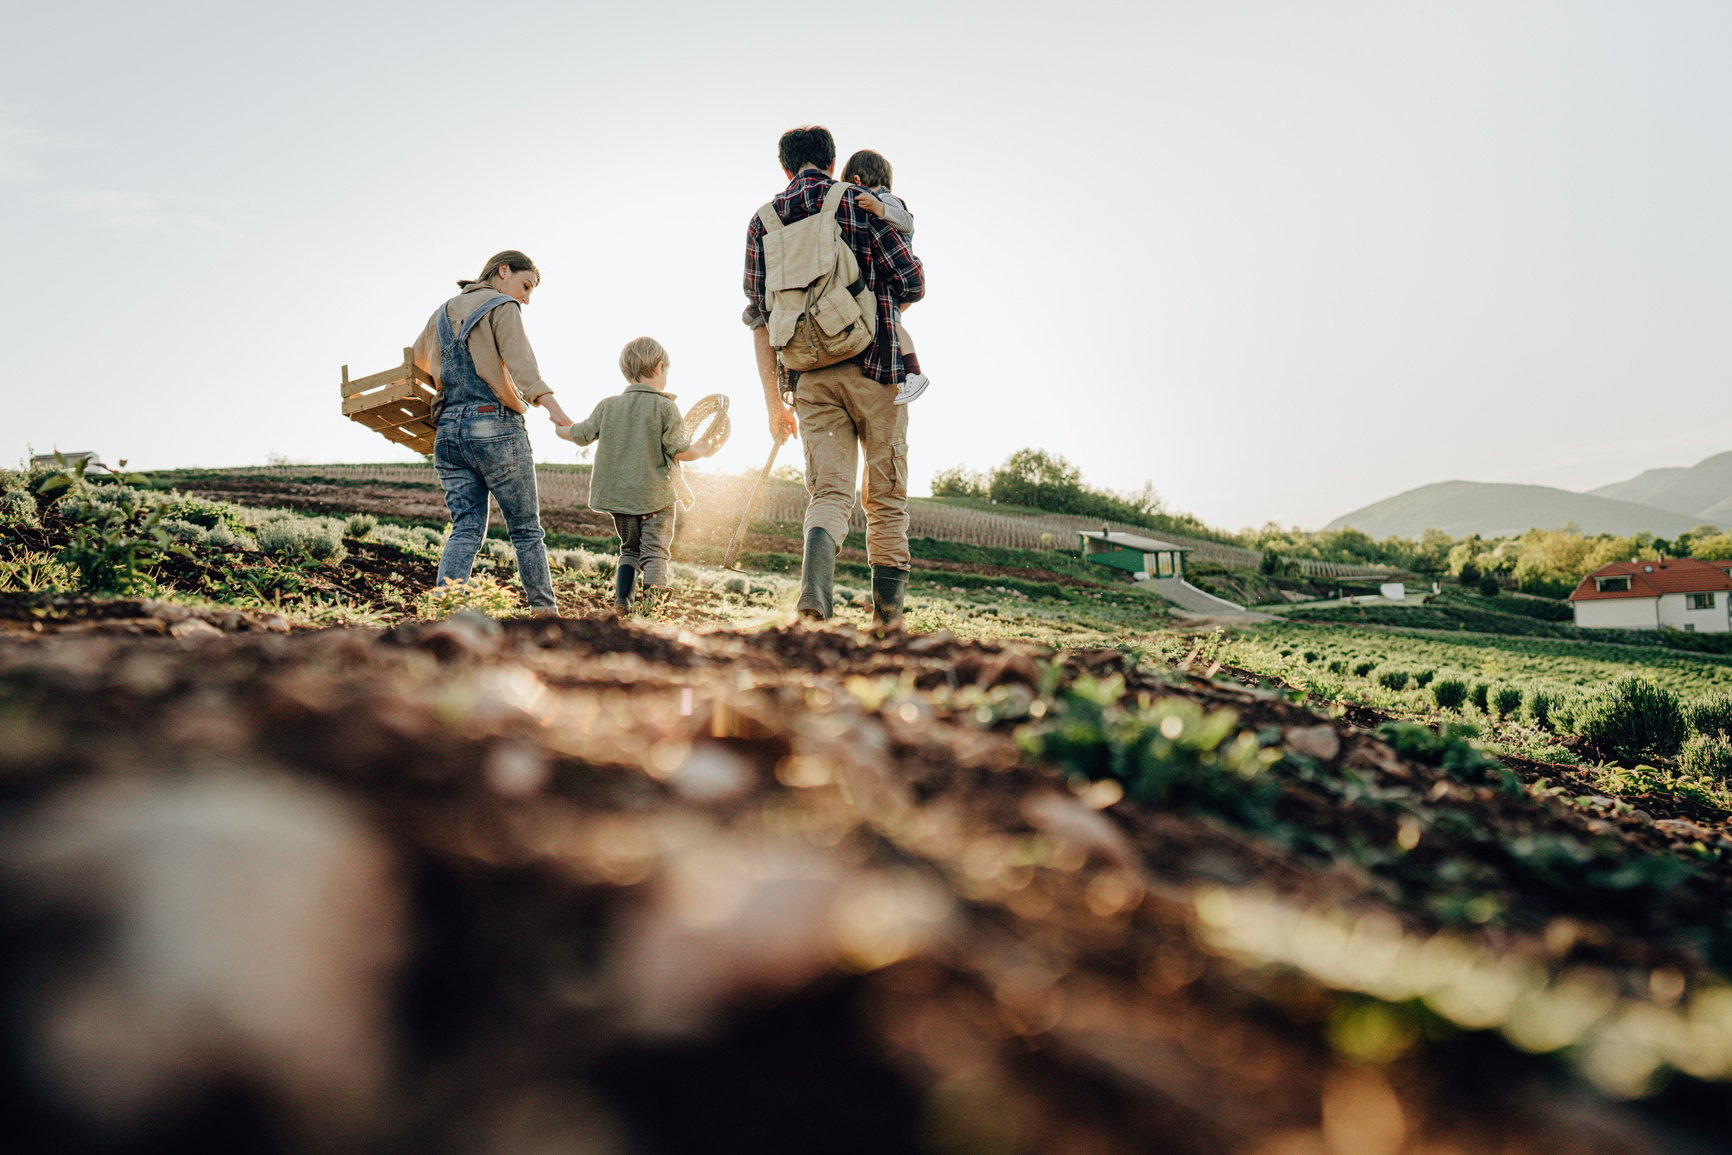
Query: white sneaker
[[912, 387]]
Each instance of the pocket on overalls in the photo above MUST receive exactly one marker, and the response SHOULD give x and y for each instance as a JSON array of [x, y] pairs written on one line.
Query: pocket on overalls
[[491, 428]]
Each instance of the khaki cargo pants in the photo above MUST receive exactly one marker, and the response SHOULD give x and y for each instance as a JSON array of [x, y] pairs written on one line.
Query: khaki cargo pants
[[843, 412]]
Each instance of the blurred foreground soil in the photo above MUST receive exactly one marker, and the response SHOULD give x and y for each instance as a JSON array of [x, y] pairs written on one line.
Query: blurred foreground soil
[[590, 886]]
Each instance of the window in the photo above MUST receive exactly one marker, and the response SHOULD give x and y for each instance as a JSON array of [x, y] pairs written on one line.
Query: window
[[1613, 585], [1699, 601]]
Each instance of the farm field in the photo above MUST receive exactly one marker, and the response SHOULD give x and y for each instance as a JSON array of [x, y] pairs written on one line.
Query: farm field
[[1051, 871]]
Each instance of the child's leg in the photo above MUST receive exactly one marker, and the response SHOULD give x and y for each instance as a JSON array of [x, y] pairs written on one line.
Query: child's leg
[[914, 382], [910, 359], [629, 526], [657, 546]]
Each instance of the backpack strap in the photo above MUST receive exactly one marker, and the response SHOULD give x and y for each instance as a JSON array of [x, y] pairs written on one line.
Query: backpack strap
[[487, 307], [767, 214], [833, 198]]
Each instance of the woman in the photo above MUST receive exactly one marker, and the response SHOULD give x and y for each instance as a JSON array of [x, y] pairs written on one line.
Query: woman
[[485, 375]]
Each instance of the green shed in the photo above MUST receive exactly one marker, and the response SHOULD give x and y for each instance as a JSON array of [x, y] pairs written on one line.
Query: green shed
[[1134, 554]]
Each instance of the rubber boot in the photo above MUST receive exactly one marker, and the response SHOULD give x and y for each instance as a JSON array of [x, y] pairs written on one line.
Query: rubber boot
[[624, 579], [889, 585], [818, 576]]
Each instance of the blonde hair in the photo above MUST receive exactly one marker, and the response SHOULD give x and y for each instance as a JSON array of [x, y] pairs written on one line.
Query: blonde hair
[[640, 357]]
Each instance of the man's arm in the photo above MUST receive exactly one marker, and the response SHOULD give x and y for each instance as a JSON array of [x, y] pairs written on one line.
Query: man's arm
[[782, 423]]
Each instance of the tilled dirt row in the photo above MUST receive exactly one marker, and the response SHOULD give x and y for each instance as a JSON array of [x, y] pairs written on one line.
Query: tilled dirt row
[[595, 886]]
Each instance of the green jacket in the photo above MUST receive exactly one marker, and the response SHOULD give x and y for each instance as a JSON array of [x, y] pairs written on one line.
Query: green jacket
[[640, 431]]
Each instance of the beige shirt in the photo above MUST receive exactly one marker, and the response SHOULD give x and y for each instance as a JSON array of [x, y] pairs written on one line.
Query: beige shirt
[[497, 344]]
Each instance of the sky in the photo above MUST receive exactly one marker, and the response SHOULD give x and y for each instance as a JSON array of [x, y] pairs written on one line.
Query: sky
[[1281, 260]]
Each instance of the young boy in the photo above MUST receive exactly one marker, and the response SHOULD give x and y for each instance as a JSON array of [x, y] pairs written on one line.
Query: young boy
[[870, 170], [635, 474]]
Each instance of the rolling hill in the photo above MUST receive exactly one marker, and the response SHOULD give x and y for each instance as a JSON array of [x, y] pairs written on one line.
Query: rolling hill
[[1665, 501], [1492, 509]]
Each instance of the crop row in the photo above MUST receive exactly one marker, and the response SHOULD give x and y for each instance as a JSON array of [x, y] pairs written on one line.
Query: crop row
[[785, 502]]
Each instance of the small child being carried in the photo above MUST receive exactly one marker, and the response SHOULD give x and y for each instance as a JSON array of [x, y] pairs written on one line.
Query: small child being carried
[[870, 170], [635, 474]]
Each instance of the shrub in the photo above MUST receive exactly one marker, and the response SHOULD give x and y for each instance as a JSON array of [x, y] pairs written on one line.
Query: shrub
[[181, 530], [1393, 679], [1712, 715], [1480, 695], [1506, 700], [1449, 693], [17, 508], [360, 525], [205, 514], [1488, 586], [1422, 678], [1537, 706], [1469, 575], [1363, 669], [298, 538], [1565, 711], [1706, 755], [1310, 657], [1337, 666], [223, 537], [1632, 718]]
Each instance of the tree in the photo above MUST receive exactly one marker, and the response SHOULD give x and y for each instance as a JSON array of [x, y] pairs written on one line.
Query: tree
[[958, 482], [1034, 477]]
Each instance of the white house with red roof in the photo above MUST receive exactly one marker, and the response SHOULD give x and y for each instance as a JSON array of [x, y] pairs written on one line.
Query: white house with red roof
[[1677, 593]]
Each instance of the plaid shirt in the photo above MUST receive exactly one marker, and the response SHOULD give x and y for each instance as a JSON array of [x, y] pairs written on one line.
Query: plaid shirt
[[891, 269]]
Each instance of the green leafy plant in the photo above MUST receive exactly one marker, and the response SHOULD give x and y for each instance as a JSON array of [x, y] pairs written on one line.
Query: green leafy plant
[[117, 534], [1167, 750], [481, 592], [1449, 693], [293, 537], [1707, 756], [1634, 717], [1537, 705], [1711, 715], [1506, 701], [1451, 748], [360, 525], [17, 507]]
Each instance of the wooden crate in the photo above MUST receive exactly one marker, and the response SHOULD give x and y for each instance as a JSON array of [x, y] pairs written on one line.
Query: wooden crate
[[397, 402]]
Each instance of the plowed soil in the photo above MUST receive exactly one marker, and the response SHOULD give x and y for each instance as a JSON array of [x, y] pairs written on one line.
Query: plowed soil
[[584, 885]]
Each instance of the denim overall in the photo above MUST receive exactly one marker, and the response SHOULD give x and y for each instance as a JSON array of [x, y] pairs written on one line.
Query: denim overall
[[482, 447]]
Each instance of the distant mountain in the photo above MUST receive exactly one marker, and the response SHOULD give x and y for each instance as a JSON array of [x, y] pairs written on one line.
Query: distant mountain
[[1693, 492], [1491, 509], [1641, 487]]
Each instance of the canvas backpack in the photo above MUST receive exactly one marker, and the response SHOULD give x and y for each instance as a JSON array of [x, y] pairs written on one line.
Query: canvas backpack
[[821, 311]]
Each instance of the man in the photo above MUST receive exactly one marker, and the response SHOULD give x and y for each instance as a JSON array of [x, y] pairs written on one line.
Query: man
[[845, 410]]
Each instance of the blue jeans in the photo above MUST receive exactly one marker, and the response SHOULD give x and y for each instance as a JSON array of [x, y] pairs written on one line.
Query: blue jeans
[[645, 540], [481, 453]]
